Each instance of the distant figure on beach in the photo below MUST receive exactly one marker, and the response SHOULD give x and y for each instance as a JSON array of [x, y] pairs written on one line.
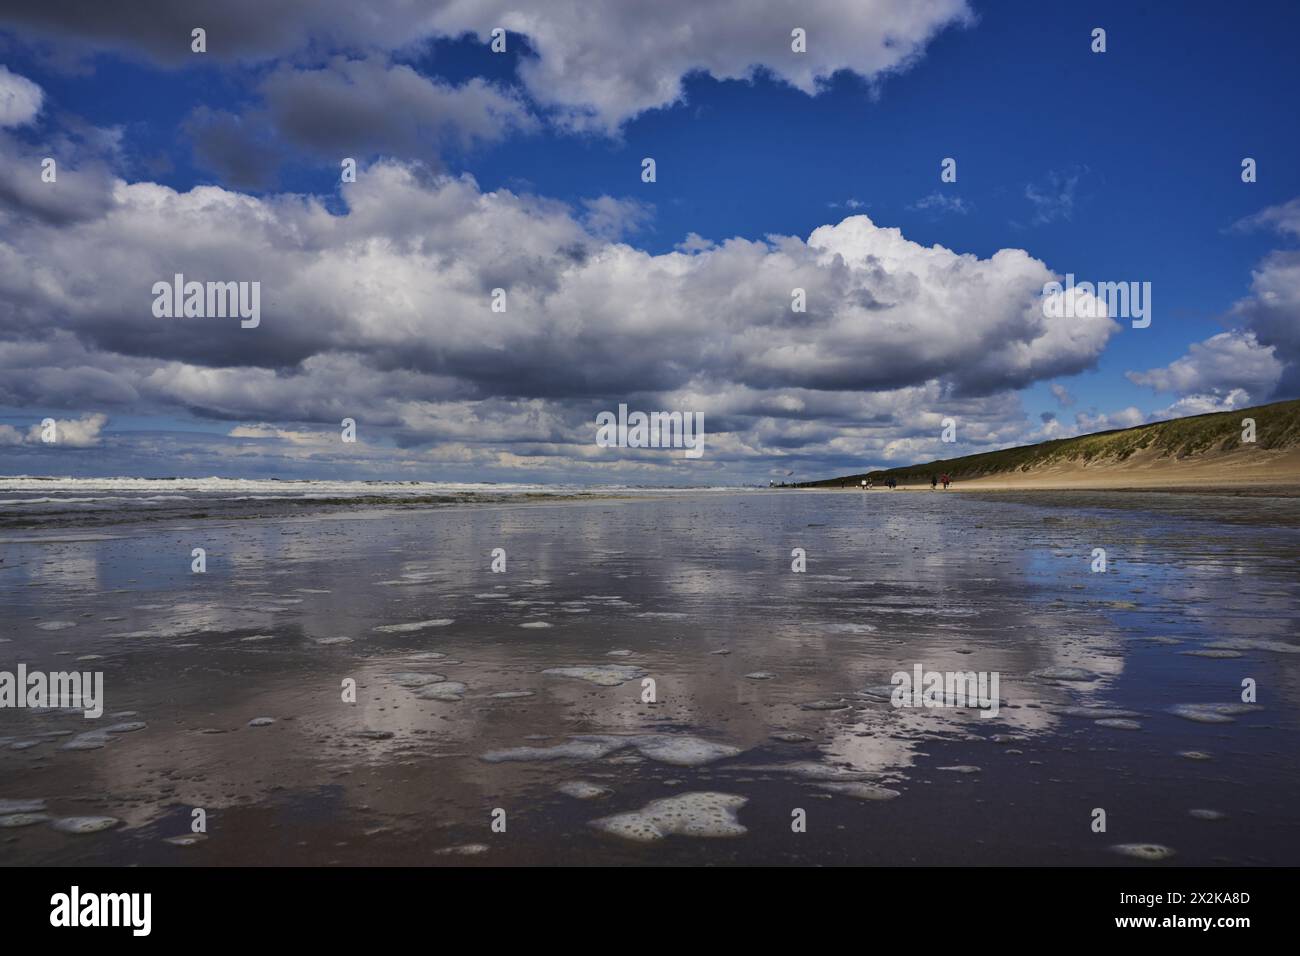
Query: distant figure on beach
[[893, 483], [934, 482], [946, 480]]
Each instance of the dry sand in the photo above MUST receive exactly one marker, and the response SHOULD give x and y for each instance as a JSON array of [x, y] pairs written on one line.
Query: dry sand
[[1237, 470]]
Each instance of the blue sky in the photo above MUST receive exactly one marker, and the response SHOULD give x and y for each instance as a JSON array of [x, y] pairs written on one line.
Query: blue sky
[[1115, 166]]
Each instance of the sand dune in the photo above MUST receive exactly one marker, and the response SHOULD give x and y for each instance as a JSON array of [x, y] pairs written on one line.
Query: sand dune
[[1214, 452]]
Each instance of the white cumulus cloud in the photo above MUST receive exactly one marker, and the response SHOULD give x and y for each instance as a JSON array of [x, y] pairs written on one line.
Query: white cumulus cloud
[[20, 99]]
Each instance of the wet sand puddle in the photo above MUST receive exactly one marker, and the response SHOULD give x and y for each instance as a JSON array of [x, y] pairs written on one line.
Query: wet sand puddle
[[525, 692]]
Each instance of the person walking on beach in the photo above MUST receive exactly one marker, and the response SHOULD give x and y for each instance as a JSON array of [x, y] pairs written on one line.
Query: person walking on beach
[[946, 480], [934, 482]]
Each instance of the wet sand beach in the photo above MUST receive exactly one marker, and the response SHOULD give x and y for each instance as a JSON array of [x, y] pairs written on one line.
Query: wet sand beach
[[479, 692]]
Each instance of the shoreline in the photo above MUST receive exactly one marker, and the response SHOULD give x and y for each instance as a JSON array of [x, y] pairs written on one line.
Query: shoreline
[[62, 520], [55, 523]]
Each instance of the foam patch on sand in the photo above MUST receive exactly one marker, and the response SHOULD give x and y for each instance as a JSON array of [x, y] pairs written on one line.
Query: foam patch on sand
[[84, 825], [126, 727], [415, 678], [447, 691], [15, 820], [90, 740], [580, 748], [1065, 673], [705, 814], [1212, 713], [847, 628], [1151, 852], [413, 626], [682, 751], [583, 790], [606, 675], [662, 748], [1098, 713], [861, 791]]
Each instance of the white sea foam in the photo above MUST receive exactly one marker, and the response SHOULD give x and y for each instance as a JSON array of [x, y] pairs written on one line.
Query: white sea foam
[[676, 751], [606, 675], [688, 814]]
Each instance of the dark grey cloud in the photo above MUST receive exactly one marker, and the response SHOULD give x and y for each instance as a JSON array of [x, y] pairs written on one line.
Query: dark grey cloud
[[236, 29], [243, 150], [365, 106], [595, 64], [351, 108], [83, 185]]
